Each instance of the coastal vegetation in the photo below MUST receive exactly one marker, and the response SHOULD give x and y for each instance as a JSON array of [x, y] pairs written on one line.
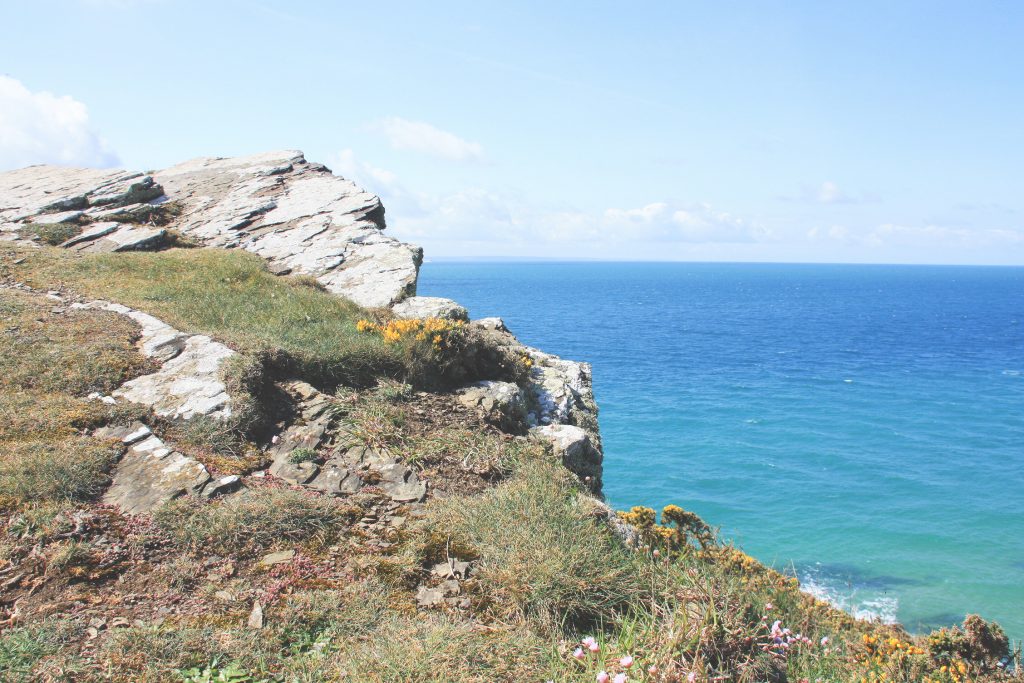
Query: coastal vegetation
[[511, 570]]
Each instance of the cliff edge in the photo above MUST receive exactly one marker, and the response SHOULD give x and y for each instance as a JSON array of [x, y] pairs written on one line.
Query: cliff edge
[[235, 445]]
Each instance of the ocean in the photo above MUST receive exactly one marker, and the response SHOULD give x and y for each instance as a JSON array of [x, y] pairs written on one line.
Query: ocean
[[861, 426]]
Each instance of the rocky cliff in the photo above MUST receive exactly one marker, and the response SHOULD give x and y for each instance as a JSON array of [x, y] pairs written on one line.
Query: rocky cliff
[[302, 220], [236, 446]]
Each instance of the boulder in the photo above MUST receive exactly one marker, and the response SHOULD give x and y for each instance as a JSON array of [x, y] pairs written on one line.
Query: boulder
[[430, 307], [573, 446], [502, 403]]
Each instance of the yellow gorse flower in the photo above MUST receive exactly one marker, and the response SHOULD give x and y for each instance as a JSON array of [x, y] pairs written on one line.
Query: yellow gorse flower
[[439, 330]]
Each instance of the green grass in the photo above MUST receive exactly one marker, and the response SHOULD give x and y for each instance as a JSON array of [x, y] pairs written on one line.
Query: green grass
[[48, 362], [256, 521], [230, 295], [542, 555], [24, 651]]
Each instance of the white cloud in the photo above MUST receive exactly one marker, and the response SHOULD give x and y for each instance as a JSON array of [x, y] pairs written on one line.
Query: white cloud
[[500, 220], [424, 138], [829, 193], [891, 235], [40, 127]]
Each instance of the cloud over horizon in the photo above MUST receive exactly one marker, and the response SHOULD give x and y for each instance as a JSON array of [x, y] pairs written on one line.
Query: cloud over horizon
[[418, 136], [478, 215], [40, 127]]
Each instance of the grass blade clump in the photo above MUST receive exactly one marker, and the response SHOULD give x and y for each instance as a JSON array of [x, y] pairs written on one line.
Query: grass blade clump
[[541, 553], [252, 522]]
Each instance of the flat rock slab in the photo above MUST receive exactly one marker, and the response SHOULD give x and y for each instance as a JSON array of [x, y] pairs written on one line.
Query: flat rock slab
[[189, 383], [150, 473]]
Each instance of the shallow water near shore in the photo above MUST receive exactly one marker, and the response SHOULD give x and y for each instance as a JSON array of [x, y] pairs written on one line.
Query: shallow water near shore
[[861, 426]]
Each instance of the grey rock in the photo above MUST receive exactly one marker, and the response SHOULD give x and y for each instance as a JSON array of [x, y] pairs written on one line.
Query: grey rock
[[453, 569], [299, 473], [123, 238], [189, 383], [61, 217], [503, 403], [429, 597], [36, 190], [278, 558], [430, 307], [256, 616], [409, 492], [93, 232], [575, 449], [222, 486], [336, 479], [300, 218], [151, 474]]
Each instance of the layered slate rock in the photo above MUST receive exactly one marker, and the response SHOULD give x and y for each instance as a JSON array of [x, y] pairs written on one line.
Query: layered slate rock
[[190, 381], [299, 217], [296, 215], [430, 307], [501, 403], [349, 465], [150, 473], [37, 191]]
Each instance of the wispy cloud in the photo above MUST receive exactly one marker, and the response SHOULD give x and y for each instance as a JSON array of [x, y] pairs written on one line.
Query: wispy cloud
[[40, 127], [829, 192], [418, 136], [919, 236], [484, 216]]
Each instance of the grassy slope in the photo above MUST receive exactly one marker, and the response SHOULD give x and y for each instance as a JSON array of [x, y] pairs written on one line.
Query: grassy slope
[[548, 570]]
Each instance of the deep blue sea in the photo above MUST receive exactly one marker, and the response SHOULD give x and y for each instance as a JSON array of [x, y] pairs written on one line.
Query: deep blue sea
[[862, 426]]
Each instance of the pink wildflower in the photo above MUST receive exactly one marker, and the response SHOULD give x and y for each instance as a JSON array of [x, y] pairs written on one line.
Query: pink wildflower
[[691, 677], [594, 647], [768, 606], [824, 641], [603, 677], [652, 669], [626, 661], [619, 678], [578, 654]]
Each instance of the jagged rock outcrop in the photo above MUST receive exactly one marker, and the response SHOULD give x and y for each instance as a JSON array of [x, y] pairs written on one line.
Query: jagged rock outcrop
[[501, 403], [574, 447], [295, 214]]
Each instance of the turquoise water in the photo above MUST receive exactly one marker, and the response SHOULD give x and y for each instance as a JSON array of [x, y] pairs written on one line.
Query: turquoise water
[[862, 426]]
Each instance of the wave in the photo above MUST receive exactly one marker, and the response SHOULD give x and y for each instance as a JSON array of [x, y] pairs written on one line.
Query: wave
[[860, 603]]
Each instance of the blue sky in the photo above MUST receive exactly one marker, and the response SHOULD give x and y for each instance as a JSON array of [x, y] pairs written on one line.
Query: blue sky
[[798, 131]]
